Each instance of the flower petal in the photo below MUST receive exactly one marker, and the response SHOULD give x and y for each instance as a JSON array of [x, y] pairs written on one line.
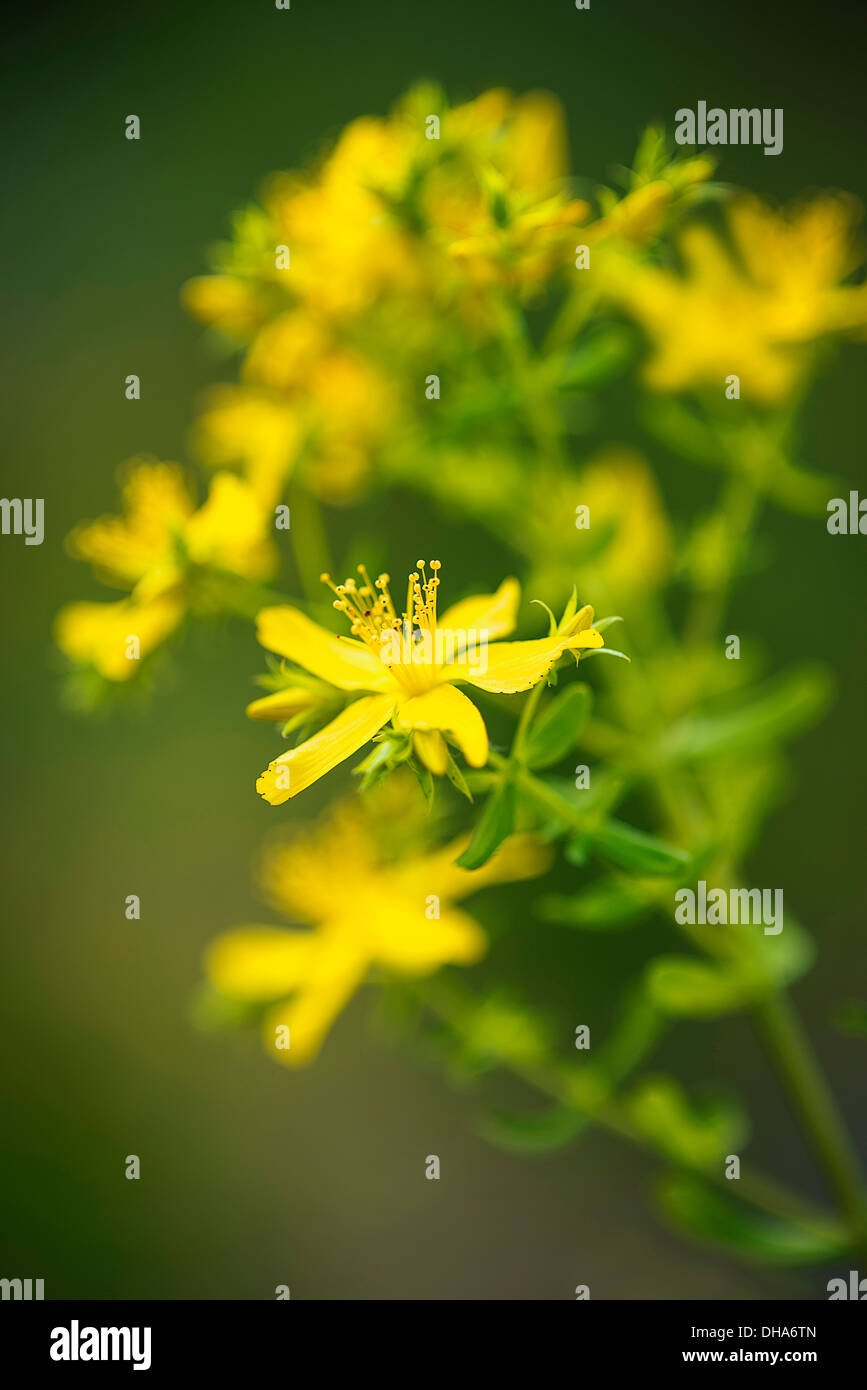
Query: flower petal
[[282, 704], [260, 963], [449, 710], [494, 614], [98, 634], [418, 945], [311, 1013], [290, 774], [341, 661], [514, 666], [519, 857], [430, 748]]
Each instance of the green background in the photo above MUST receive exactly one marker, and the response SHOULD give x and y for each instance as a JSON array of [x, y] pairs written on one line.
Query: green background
[[252, 1177]]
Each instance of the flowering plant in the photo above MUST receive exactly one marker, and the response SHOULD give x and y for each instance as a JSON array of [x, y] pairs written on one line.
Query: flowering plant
[[439, 309]]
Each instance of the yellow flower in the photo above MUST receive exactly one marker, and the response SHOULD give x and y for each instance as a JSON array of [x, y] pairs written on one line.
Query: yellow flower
[[150, 550], [625, 552], [102, 635], [304, 401], [499, 206], [408, 666], [367, 911], [256, 429], [751, 310]]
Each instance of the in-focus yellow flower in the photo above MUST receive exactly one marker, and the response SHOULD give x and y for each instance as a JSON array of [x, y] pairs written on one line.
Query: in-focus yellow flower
[[749, 310], [408, 664], [368, 911], [152, 549]]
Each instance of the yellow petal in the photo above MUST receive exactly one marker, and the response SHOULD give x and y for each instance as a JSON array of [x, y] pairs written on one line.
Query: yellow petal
[[413, 945], [282, 704], [514, 666], [320, 873], [341, 661], [300, 767], [430, 747], [260, 963], [98, 634], [156, 505], [231, 531], [519, 857], [494, 614], [449, 710], [311, 1013]]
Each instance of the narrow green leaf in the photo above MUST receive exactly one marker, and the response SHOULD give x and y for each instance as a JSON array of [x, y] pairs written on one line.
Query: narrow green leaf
[[535, 1133], [457, 778], [636, 851], [694, 989], [494, 825], [602, 907], [688, 1132], [699, 1210], [778, 711], [557, 730]]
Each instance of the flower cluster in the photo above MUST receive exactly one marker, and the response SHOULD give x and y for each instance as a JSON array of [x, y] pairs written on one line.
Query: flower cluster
[[438, 320]]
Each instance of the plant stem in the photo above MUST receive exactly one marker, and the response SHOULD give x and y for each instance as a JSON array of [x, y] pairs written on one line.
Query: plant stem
[[791, 1049], [556, 1080]]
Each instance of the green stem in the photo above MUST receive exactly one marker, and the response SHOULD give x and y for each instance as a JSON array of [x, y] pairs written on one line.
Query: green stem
[[557, 1081], [815, 1105]]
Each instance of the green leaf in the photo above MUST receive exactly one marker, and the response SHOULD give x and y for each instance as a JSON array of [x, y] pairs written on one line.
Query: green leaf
[[494, 825], [783, 958], [535, 1133], [557, 730], [600, 651], [636, 851], [607, 906], [694, 989], [604, 356], [693, 1134], [638, 1029], [699, 1210], [552, 621], [457, 778], [777, 711]]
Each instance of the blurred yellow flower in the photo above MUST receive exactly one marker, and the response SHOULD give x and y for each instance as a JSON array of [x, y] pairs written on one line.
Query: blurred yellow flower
[[112, 637], [626, 549], [408, 665], [257, 430], [367, 910], [750, 308], [304, 403], [152, 549]]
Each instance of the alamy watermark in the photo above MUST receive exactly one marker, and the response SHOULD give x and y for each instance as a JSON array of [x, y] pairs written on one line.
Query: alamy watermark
[[737, 126], [441, 647], [23, 516], [720, 907]]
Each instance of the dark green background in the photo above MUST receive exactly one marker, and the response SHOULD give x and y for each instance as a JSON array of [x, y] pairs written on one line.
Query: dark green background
[[252, 1177]]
